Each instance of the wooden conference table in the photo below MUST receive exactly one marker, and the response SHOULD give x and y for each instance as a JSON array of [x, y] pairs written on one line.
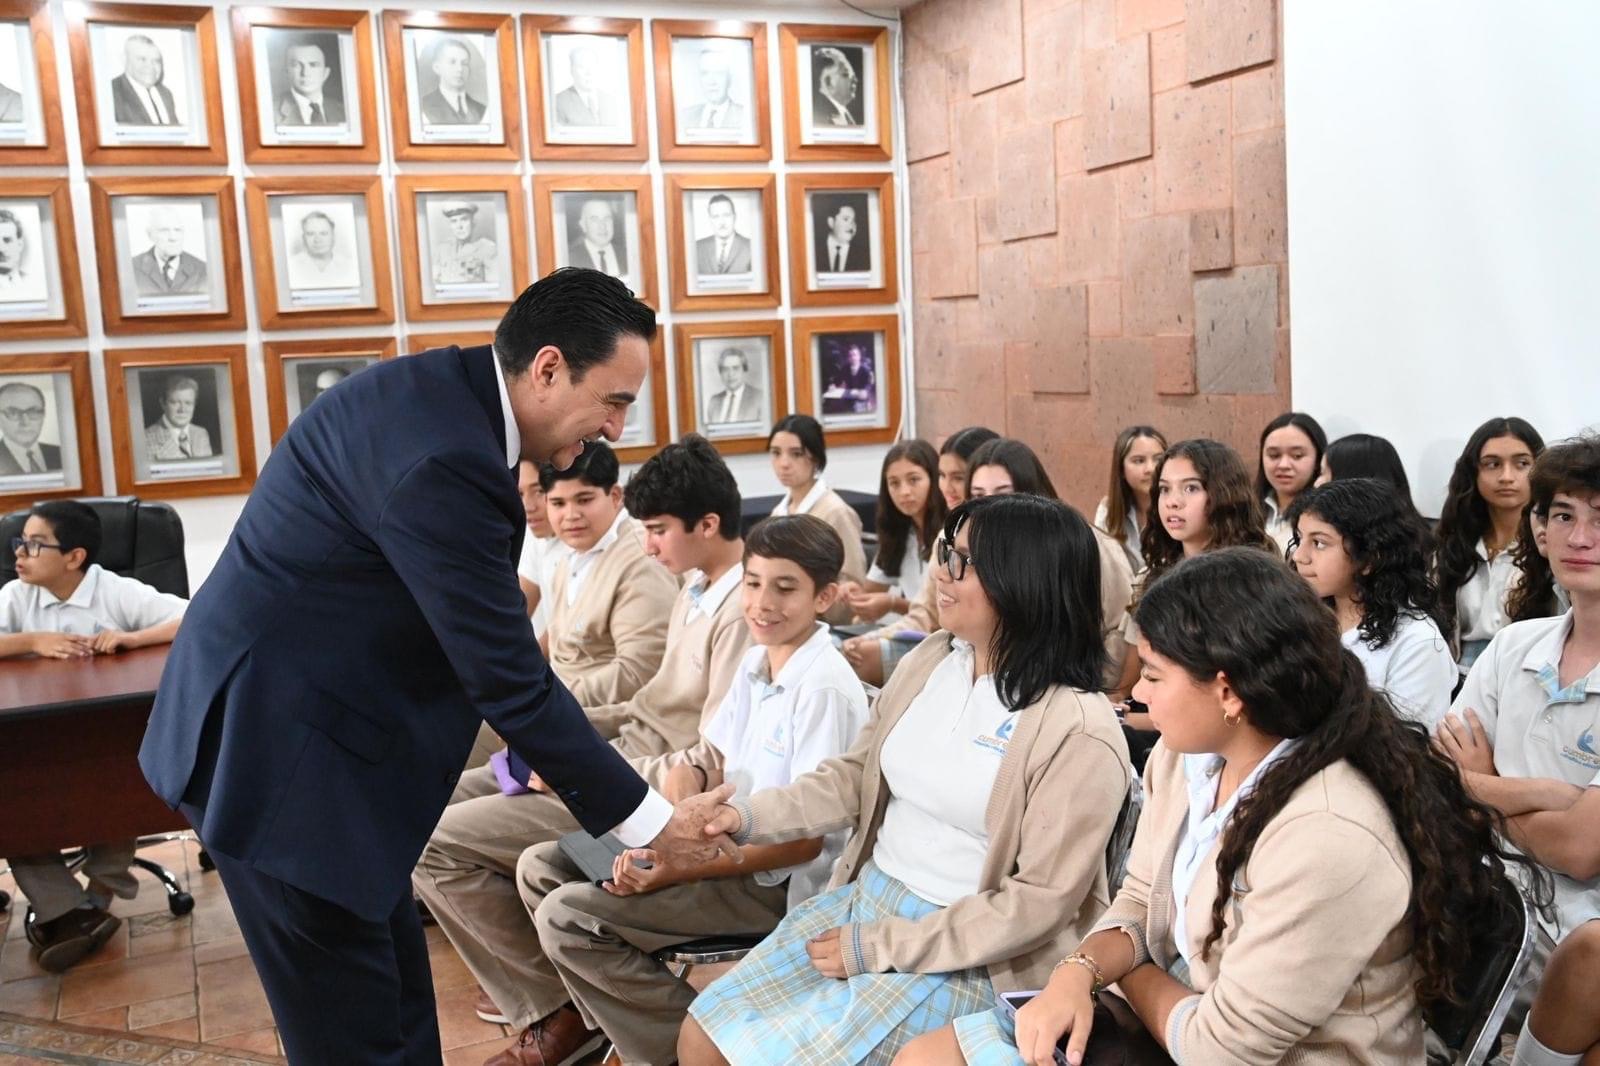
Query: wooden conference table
[[69, 742]]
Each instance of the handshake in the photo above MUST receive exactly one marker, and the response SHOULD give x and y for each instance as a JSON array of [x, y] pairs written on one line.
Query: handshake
[[702, 827]]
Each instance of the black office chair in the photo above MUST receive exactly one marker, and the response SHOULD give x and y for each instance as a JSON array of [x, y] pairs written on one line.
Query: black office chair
[[139, 539]]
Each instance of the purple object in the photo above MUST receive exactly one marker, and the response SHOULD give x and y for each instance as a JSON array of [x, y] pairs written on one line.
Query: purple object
[[509, 785]]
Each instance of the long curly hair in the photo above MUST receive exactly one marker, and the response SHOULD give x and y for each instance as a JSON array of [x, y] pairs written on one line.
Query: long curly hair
[[1465, 517], [1120, 499], [1383, 537], [1233, 511], [1239, 613]]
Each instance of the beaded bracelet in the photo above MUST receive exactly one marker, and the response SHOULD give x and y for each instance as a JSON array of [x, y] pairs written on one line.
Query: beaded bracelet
[[1078, 958]]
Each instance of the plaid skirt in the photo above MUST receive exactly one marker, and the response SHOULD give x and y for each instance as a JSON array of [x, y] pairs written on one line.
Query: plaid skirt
[[988, 1039], [774, 1007]]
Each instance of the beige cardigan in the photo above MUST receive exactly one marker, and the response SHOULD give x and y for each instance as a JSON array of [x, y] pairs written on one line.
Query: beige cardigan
[[609, 641], [1056, 796], [831, 508], [1314, 965]]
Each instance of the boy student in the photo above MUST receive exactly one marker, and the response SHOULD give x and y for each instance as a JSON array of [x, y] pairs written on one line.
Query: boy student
[[64, 606], [688, 504], [542, 550], [794, 703], [1524, 729], [608, 602]]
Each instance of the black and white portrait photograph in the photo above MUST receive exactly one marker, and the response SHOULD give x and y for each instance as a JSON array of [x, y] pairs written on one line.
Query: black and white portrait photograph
[[849, 368], [168, 255], [323, 238], [839, 106], [713, 83], [845, 238], [452, 86], [306, 379], [599, 230], [726, 238], [147, 84], [25, 258], [733, 386], [586, 90], [179, 410], [38, 449], [20, 119], [306, 85], [464, 243]]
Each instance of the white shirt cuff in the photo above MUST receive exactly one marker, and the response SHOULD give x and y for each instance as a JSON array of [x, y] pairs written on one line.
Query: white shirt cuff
[[646, 822]]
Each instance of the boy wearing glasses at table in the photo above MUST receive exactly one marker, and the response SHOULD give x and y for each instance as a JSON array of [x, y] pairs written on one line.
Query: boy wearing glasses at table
[[64, 606]]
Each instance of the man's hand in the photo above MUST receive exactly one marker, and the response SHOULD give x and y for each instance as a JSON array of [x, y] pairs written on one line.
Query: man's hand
[[1467, 743], [699, 829], [827, 955], [111, 640], [682, 782], [628, 879], [63, 646]]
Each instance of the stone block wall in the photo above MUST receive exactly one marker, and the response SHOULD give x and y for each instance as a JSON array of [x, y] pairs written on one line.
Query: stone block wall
[[1098, 226]]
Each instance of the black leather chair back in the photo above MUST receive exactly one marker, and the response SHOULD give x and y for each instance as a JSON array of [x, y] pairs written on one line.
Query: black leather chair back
[[138, 538]]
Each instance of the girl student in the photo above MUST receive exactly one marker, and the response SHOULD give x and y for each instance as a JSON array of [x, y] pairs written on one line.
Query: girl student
[[1125, 508], [1289, 459], [911, 511]]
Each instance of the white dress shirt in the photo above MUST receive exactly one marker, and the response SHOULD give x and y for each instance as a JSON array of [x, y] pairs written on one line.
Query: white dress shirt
[[152, 103], [1481, 602], [605, 256], [730, 405], [102, 601], [30, 459], [838, 255]]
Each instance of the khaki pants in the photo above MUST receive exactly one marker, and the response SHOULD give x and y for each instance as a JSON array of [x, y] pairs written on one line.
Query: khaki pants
[[601, 944], [53, 890], [487, 743]]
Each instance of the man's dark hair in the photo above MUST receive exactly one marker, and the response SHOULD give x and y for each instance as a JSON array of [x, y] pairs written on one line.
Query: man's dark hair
[[803, 539], [687, 480], [721, 197], [580, 311], [74, 524], [596, 465]]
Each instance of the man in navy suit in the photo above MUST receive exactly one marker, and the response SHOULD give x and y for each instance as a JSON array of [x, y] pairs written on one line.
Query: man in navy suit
[[320, 702]]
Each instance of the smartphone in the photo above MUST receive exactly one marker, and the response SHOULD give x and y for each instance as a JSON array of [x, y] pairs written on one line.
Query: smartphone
[[1011, 1002]]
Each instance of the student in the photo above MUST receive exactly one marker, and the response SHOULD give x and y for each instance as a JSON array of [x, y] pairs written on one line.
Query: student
[[1290, 458], [688, 504], [799, 456], [874, 655], [1364, 455], [1307, 869], [542, 550], [64, 605], [1523, 727], [910, 513], [794, 703], [982, 795], [1126, 505], [1478, 531], [609, 604], [1359, 547]]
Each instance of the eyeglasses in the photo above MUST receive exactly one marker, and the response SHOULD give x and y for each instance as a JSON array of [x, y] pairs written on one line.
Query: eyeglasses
[[17, 414], [954, 561], [31, 548]]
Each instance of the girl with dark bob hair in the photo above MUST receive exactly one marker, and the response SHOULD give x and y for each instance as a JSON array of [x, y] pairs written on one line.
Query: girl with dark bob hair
[[1359, 547], [982, 795], [1309, 875], [799, 455]]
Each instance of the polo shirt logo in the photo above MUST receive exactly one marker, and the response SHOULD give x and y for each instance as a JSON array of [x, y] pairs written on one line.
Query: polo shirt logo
[[997, 741], [1586, 744]]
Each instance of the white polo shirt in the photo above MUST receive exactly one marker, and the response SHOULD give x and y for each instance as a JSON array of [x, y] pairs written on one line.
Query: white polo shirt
[[1415, 669], [102, 601], [1481, 602], [704, 601], [907, 583], [538, 562], [1539, 729], [772, 730]]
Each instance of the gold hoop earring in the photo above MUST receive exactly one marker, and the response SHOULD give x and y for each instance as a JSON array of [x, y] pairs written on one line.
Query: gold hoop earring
[[1232, 719]]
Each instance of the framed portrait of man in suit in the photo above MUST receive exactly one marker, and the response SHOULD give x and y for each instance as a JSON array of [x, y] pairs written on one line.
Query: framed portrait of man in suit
[[180, 420], [847, 375], [40, 292], [300, 371], [463, 245], [452, 85], [150, 76], [722, 230], [585, 87], [306, 92], [602, 221], [30, 107], [835, 92], [842, 246], [646, 427], [47, 445], [732, 381], [711, 90], [321, 251]]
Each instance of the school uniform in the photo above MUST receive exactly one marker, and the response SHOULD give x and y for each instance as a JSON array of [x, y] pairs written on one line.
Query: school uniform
[[822, 502], [102, 601], [1131, 534], [908, 582], [1415, 669], [768, 731], [608, 615], [1539, 729], [467, 872], [918, 955], [537, 564], [1481, 602]]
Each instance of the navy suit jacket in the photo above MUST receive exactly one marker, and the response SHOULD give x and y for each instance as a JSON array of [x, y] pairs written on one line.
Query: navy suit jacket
[[322, 696]]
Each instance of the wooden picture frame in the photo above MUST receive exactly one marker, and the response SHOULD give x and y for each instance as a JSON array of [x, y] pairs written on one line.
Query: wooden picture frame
[[810, 393], [867, 46], [223, 246], [409, 119], [545, 139], [679, 142], [656, 409], [49, 148], [274, 273], [22, 490], [553, 194], [137, 130], [355, 86], [749, 434], [62, 312], [279, 356], [416, 343], [880, 284], [416, 191], [149, 474], [685, 242]]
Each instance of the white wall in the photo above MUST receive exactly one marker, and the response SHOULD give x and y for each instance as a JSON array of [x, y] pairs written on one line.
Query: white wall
[[209, 520], [1444, 219]]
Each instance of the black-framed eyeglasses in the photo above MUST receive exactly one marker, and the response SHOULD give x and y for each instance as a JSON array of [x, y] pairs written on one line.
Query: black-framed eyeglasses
[[17, 414], [31, 548], [955, 561]]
